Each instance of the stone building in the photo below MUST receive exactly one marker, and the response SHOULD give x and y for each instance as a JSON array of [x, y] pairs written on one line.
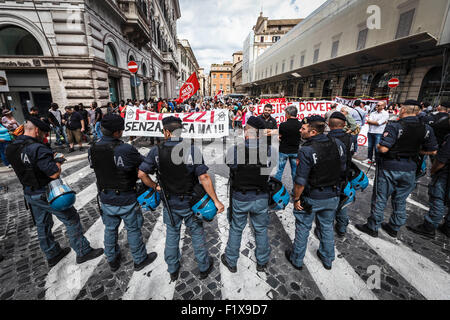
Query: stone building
[[262, 36], [77, 51], [203, 79], [187, 61], [220, 78], [352, 48]]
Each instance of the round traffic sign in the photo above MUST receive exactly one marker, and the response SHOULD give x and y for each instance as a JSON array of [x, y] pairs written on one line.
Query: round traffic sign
[[133, 67], [393, 83]]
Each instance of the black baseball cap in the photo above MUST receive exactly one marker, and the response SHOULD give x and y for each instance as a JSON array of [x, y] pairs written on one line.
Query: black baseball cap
[[338, 115], [113, 122], [40, 124], [170, 120], [314, 119]]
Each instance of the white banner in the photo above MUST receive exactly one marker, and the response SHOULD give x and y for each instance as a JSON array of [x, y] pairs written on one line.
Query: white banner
[[305, 109], [196, 125], [372, 103]]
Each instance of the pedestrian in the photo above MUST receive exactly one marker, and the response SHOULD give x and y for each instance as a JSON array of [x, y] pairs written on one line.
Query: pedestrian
[[399, 149], [289, 135], [250, 197], [35, 166], [179, 181], [5, 140], [321, 161], [122, 109], [360, 119], [439, 195], [337, 124], [115, 165], [56, 119], [237, 118], [97, 121], [75, 127], [377, 124]]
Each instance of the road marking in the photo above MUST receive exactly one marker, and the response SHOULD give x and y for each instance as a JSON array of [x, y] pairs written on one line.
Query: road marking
[[153, 282], [247, 283], [66, 279], [424, 275], [77, 176], [342, 282], [409, 199]]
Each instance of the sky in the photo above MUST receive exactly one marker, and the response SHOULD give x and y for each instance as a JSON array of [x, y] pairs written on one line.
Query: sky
[[217, 28]]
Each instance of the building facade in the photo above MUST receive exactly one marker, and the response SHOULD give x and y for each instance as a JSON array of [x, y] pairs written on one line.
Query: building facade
[[203, 79], [78, 51], [263, 35], [187, 62], [220, 78], [237, 72], [342, 50]]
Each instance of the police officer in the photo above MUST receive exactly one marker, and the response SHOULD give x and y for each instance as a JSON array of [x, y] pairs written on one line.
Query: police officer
[[440, 122], [337, 124], [399, 149], [178, 179], [439, 192], [249, 195], [322, 159], [116, 166], [36, 167]]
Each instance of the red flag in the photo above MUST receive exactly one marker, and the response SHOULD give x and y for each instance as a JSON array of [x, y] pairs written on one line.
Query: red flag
[[219, 96], [189, 88]]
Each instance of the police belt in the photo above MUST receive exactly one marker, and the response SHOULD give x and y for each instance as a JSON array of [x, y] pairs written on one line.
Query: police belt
[[181, 197], [244, 191], [118, 192]]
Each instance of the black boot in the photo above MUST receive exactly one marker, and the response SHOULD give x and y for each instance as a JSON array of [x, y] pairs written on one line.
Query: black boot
[[389, 230], [115, 264], [174, 275], [444, 230], [288, 254], [424, 229], [365, 228], [225, 263], [54, 261], [150, 258], [205, 274]]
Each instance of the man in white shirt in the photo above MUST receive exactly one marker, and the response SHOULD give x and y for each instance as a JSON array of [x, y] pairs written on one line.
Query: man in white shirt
[[377, 123], [250, 112]]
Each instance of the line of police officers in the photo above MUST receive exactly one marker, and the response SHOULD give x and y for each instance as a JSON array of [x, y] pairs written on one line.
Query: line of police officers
[[323, 165]]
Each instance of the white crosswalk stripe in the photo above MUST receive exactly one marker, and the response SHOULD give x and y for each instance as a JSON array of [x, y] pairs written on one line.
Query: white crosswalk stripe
[[247, 283]]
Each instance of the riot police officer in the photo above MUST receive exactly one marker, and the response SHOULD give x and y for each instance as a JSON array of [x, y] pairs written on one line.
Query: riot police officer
[[249, 195], [36, 167], [337, 124], [399, 148], [116, 166], [321, 161], [439, 193], [179, 174]]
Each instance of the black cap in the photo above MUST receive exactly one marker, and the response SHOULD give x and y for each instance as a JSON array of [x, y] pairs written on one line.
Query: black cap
[[338, 115], [357, 103], [445, 105], [113, 122], [170, 120], [40, 124], [256, 123], [412, 103], [314, 119]]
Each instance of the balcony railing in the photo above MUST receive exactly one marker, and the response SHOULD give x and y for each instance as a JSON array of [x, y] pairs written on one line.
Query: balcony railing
[[138, 26]]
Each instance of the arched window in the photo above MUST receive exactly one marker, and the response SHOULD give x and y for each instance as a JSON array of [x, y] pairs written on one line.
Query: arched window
[[379, 86], [110, 55], [349, 89], [327, 91], [431, 86], [15, 41]]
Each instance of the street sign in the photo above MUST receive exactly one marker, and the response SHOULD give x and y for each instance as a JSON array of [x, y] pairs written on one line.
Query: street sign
[[133, 67], [135, 81], [393, 83]]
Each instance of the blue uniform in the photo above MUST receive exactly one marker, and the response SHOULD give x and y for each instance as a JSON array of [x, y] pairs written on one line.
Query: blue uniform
[[181, 210], [122, 206], [251, 203], [41, 158], [324, 203], [438, 189], [396, 178]]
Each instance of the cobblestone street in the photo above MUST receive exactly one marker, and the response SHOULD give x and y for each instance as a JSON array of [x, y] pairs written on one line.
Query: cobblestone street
[[411, 267]]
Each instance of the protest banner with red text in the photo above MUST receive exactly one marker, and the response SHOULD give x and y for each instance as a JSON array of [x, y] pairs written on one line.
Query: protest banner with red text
[[273, 101], [196, 125]]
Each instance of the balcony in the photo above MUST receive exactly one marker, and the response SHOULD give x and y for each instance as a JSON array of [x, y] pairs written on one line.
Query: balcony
[[137, 26]]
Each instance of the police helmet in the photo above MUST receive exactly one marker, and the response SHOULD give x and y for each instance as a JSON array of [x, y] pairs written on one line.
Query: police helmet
[[358, 179], [202, 204], [279, 196], [150, 199], [60, 196], [347, 196]]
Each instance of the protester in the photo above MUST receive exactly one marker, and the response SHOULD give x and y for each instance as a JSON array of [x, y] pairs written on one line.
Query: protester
[[377, 123], [8, 120], [75, 127]]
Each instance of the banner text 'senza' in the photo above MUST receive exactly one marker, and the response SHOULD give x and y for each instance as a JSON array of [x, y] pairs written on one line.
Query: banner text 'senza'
[[196, 125]]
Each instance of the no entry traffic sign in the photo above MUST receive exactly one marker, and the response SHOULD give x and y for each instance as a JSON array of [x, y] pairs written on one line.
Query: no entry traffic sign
[[133, 67], [393, 83]]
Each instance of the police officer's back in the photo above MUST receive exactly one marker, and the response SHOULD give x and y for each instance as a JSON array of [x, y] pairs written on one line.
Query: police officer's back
[[249, 195], [116, 166], [399, 148], [322, 159], [35, 165], [180, 172]]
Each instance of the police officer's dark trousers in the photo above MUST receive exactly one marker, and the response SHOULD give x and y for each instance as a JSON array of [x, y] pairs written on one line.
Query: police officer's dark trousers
[[42, 213], [438, 193]]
